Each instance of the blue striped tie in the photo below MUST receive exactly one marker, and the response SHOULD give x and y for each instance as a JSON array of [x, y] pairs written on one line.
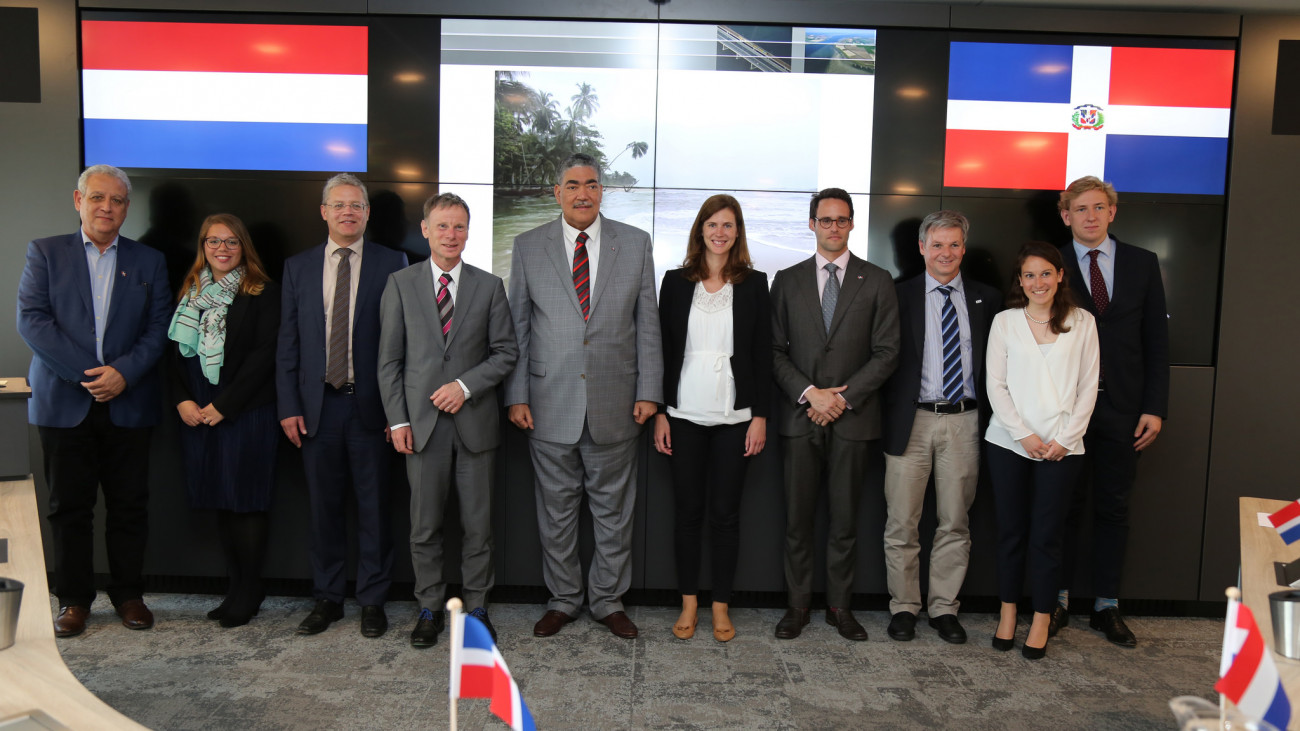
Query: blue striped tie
[[953, 381]]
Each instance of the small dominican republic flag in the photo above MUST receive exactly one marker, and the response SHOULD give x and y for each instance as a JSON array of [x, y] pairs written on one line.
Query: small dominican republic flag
[[1287, 522], [229, 96], [1036, 116], [1247, 675], [479, 671]]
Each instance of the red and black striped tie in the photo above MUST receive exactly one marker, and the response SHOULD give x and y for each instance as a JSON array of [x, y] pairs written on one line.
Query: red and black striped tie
[[581, 275]]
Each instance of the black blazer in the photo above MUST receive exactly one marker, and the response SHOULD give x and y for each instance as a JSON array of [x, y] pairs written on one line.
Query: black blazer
[[900, 393], [248, 371], [751, 360], [1134, 332]]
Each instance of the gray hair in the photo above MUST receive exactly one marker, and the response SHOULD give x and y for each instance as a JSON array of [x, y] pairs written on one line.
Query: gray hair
[[579, 160], [944, 219], [446, 200], [343, 179], [83, 182]]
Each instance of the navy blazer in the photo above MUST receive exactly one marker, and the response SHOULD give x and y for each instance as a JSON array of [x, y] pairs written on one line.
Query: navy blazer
[[301, 355], [900, 393], [57, 321], [751, 333], [1134, 332]]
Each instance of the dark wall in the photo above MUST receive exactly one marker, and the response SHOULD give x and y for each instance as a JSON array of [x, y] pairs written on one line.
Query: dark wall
[[1184, 544]]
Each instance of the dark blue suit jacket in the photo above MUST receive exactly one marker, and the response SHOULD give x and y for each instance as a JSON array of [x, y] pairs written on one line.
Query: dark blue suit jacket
[[57, 321], [301, 355]]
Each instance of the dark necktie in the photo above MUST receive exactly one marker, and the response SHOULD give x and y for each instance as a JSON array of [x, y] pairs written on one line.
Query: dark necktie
[[581, 275], [1098, 284], [954, 383], [830, 296], [445, 305], [336, 369]]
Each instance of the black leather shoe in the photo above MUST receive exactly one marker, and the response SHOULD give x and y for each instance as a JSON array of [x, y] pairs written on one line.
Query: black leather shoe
[[321, 617], [902, 626], [427, 628], [1033, 653], [480, 614], [1003, 645], [374, 623], [843, 620], [1112, 625], [1060, 618], [792, 623], [950, 630]]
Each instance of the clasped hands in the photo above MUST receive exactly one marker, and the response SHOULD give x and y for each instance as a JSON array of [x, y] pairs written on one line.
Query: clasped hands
[[193, 415], [1038, 449], [825, 405]]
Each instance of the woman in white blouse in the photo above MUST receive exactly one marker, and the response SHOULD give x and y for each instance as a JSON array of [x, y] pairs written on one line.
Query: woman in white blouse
[[1042, 368], [717, 344]]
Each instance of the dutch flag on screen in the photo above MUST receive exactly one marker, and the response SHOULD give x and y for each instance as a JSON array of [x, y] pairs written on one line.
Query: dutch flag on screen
[[1287, 522], [225, 96], [1150, 120]]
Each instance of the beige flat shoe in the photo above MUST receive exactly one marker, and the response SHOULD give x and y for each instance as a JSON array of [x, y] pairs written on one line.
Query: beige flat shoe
[[685, 632], [724, 634]]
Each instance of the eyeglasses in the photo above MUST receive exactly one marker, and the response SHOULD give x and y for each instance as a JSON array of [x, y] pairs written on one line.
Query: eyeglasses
[[212, 242], [354, 206], [840, 222]]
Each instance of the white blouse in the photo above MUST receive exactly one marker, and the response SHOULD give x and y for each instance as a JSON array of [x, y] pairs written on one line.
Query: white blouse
[[706, 393], [1051, 393]]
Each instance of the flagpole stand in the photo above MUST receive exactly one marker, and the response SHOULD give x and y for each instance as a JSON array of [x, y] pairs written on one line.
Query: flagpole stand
[[1234, 595], [454, 606]]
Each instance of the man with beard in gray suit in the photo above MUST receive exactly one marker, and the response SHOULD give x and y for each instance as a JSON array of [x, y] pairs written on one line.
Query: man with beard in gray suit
[[590, 373]]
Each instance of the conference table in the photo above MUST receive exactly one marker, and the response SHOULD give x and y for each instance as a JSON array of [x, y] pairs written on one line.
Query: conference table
[[37, 691], [1261, 546]]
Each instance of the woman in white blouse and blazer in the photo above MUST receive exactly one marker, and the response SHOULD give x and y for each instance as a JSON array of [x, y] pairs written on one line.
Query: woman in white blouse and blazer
[[1043, 364], [717, 343]]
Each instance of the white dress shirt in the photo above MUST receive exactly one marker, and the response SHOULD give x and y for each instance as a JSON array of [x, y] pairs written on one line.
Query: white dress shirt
[[593, 248], [101, 267]]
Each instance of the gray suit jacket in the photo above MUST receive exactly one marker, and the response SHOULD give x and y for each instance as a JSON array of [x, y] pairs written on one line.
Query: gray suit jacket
[[570, 370], [860, 351], [415, 360]]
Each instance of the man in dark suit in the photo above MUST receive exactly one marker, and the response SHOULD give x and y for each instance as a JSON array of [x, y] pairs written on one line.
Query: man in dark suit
[[446, 342], [1121, 286], [327, 387], [933, 406], [590, 373], [835, 341], [94, 306]]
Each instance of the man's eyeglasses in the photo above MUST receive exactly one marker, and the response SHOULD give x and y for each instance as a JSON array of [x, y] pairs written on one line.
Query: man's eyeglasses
[[354, 206], [840, 222], [212, 242]]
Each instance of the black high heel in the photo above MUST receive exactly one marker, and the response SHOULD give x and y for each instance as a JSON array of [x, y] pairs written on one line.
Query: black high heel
[[1002, 645], [1033, 653]]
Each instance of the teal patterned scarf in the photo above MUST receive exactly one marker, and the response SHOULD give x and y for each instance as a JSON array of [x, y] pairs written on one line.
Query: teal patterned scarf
[[199, 325]]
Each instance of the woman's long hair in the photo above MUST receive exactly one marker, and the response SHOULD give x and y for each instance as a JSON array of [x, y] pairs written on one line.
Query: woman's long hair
[[1062, 303], [738, 264], [255, 277]]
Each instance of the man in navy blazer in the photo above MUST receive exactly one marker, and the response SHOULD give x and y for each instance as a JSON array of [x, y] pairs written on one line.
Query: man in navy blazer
[[327, 386], [935, 409], [94, 306], [1121, 286]]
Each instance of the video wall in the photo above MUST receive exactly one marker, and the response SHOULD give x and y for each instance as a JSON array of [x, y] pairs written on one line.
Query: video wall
[[244, 112]]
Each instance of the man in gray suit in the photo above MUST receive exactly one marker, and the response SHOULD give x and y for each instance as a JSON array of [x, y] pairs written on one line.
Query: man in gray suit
[[590, 373], [835, 336], [446, 341]]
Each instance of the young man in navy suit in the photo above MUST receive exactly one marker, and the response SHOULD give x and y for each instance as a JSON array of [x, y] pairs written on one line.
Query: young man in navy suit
[[1121, 286], [327, 386], [94, 306]]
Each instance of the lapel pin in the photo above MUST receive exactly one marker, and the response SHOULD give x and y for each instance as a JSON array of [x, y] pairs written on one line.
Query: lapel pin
[[979, 301]]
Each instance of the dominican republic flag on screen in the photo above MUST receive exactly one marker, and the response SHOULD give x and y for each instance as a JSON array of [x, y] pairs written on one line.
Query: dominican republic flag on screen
[[226, 96], [479, 671], [1247, 673], [1287, 522], [1149, 120]]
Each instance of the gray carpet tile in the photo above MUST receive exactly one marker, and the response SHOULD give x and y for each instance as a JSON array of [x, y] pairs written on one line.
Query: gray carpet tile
[[189, 673]]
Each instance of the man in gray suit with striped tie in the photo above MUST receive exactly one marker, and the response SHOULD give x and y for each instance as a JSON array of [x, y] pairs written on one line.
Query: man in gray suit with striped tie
[[590, 373]]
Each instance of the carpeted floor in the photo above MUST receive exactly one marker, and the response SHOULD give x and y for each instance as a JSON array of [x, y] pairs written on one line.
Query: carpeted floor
[[188, 673]]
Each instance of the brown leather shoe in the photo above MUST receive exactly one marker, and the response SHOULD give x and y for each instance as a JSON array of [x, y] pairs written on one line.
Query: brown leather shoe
[[550, 623], [792, 623], [848, 626], [71, 621], [134, 614], [620, 625]]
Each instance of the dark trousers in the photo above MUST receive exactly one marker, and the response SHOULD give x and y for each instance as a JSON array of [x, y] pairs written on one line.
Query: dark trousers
[[844, 463], [343, 453], [78, 461], [709, 467], [1031, 500], [1110, 467]]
